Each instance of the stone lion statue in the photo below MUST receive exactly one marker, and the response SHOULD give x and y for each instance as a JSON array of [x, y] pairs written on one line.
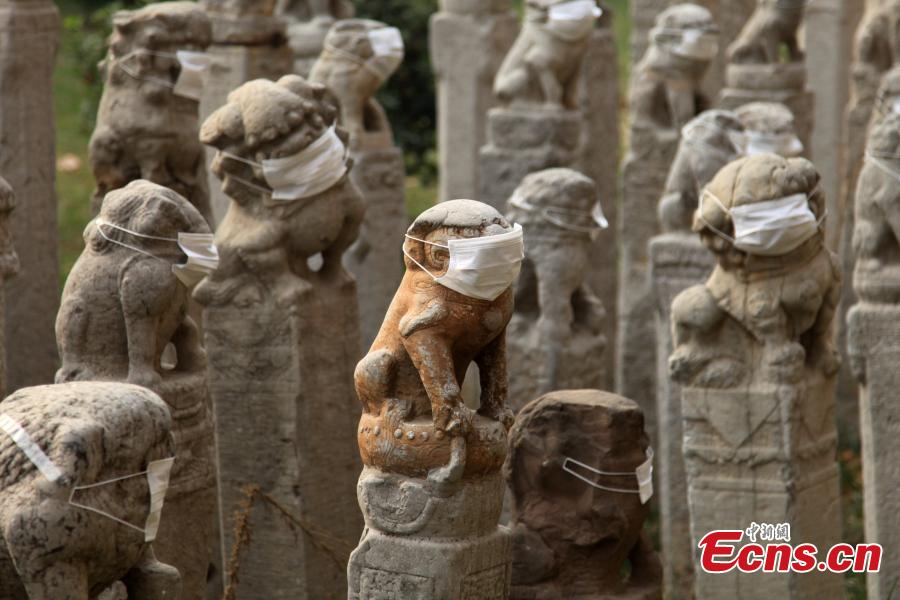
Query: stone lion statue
[[769, 304], [125, 275], [145, 130], [542, 66], [51, 549], [264, 243], [772, 25]]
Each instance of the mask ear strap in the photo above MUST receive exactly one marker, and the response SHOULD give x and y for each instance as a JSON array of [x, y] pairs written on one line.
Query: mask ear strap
[[99, 226], [121, 65], [427, 242], [715, 229], [418, 264], [241, 159]]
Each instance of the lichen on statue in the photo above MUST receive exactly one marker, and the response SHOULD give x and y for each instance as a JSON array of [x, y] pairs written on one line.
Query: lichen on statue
[[268, 235], [765, 314]]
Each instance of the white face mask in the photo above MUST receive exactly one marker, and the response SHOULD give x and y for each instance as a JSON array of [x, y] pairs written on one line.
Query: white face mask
[[573, 20], [190, 79], [771, 228], [387, 44], [203, 257], [482, 267], [308, 173], [782, 144], [643, 474], [565, 218], [696, 44], [157, 474]]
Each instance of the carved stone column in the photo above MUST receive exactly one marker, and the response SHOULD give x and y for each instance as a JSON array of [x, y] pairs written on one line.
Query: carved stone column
[[123, 317], [375, 259], [282, 337], [248, 43], [29, 33], [431, 490], [872, 336], [555, 337], [308, 24], [757, 366], [469, 39], [665, 95]]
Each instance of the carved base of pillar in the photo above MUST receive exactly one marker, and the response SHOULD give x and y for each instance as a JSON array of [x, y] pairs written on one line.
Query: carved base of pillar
[[580, 362], [232, 66], [522, 141], [871, 335], [784, 83], [307, 40], [282, 388], [764, 455], [429, 541], [376, 258], [185, 538], [677, 261]]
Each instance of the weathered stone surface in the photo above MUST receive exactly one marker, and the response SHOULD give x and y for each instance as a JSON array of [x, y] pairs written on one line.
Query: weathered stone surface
[[121, 308], [375, 259], [756, 362], [248, 43], [308, 23], [9, 265], [873, 351], [92, 433], [431, 490], [571, 539], [555, 336], [145, 129], [281, 339], [29, 32], [468, 41], [664, 96]]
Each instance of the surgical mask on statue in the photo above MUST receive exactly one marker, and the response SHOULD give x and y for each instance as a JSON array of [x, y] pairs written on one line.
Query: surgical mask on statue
[[696, 44], [643, 474], [308, 173], [202, 254], [782, 144], [190, 79], [387, 45], [482, 267], [573, 20], [157, 475], [771, 228], [591, 223], [203, 257]]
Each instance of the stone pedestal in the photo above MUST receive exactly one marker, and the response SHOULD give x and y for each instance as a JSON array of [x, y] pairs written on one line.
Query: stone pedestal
[[598, 100], [375, 259], [523, 141], [764, 454], [29, 32], [469, 39], [427, 540], [243, 49], [784, 83], [282, 389], [186, 531], [873, 331], [677, 261]]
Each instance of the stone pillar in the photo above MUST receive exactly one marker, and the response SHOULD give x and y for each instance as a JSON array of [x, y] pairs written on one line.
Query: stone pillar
[[29, 33], [872, 334], [561, 450], [308, 24], [598, 102], [282, 338], [556, 339], [248, 43], [758, 385], [123, 317], [665, 95], [147, 123], [375, 259], [431, 490], [468, 39], [9, 266]]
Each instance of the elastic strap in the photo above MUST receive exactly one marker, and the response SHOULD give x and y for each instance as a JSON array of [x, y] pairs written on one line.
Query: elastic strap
[[718, 231], [121, 65], [99, 225]]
